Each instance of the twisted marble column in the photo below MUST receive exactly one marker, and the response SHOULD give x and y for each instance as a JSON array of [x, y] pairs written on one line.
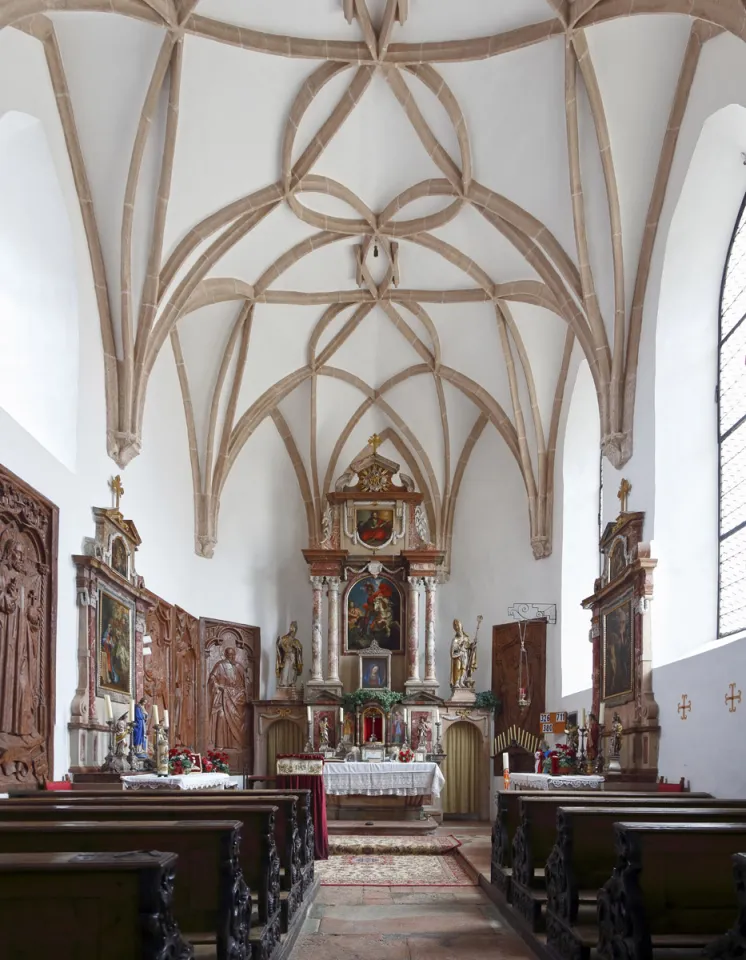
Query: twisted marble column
[[430, 586], [332, 652], [316, 667], [413, 629]]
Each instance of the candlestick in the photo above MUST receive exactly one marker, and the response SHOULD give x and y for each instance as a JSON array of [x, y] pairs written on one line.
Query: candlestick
[[132, 711], [601, 714], [107, 705], [584, 717], [437, 715], [341, 714], [506, 762], [156, 716], [308, 714], [165, 719]]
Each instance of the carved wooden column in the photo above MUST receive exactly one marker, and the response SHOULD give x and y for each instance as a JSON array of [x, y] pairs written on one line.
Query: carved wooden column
[[413, 633], [317, 675], [332, 653], [430, 586]]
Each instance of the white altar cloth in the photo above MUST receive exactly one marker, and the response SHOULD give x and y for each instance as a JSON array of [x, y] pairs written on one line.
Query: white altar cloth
[[383, 779], [183, 781], [543, 781]]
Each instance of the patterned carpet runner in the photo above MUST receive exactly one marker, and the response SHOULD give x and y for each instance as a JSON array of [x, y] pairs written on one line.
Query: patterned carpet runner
[[393, 870], [413, 846]]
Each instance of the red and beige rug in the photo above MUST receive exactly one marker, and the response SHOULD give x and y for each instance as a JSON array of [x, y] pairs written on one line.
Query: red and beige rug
[[414, 846], [393, 870]]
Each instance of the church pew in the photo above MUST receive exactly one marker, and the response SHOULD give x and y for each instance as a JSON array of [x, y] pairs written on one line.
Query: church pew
[[732, 946], [584, 856], [672, 888], [260, 863], [72, 905], [537, 832], [211, 900], [296, 875]]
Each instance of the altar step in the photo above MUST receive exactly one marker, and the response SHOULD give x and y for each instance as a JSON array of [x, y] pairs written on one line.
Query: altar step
[[383, 828]]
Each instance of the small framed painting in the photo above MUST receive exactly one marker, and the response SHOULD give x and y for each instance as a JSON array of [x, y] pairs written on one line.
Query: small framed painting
[[375, 670], [420, 756], [196, 759], [373, 754]]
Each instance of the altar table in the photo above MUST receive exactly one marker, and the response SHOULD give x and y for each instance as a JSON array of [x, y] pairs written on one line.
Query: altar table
[[381, 791], [544, 781], [184, 781]]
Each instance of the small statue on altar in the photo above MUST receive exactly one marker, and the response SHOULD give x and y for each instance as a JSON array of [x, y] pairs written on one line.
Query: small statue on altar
[[289, 660], [349, 728], [616, 735], [121, 735], [460, 646], [423, 729], [139, 730], [324, 733]]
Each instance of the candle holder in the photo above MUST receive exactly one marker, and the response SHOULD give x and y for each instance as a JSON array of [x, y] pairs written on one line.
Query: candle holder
[[600, 762], [161, 750], [582, 759], [438, 745], [309, 743]]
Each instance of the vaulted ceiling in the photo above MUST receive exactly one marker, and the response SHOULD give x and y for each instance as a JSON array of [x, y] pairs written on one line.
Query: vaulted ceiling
[[345, 215]]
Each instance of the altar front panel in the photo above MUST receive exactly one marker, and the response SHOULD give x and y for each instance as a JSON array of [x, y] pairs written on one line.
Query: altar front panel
[[383, 779]]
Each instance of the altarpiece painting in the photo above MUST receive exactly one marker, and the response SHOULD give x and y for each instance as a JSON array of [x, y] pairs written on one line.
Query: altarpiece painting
[[116, 645], [618, 650], [373, 615]]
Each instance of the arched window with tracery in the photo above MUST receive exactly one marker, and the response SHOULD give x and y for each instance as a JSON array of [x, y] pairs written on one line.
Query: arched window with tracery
[[731, 396]]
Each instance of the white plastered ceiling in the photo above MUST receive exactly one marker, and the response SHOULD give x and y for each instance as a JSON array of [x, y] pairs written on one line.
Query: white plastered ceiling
[[240, 163]]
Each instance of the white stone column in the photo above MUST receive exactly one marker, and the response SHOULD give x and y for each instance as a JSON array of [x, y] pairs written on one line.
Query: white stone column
[[332, 652], [413, 631], [430, 586], [317, 674]]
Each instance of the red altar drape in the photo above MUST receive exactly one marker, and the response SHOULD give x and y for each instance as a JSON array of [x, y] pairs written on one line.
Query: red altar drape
[[318, 799]]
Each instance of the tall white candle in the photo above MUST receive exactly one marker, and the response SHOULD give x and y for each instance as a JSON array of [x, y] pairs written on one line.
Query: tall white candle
[[132, 711], [308, 714], [601, 713], [107, 705], [406, 716], [341, 714], [437, 715], [584, 718], [506, 762], [156, 716], [165, 719]]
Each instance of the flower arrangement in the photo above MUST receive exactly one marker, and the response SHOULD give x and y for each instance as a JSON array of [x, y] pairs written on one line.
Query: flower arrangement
[[567, 758], [405, 755], [179, 760], [216, 761]]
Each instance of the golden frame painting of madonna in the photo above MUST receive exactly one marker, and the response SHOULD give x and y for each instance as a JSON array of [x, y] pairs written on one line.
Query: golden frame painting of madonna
[[373, 612], [617, 653], [114, 647]]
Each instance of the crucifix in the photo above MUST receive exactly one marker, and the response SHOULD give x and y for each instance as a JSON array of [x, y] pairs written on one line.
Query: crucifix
[[375, 442], [623, 496], [117, 489], [734, 698], [684, 706]]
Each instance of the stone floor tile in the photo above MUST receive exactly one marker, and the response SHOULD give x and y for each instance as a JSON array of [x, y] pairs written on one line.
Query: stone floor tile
[[415, 895], [467, 946], [407, 919], [334, 895], [372, 947]]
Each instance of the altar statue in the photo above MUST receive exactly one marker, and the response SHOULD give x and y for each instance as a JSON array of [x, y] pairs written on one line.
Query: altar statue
[[423, 728], [289, 660], [463, 656], [324, 733], [121, 736], [139, 734]]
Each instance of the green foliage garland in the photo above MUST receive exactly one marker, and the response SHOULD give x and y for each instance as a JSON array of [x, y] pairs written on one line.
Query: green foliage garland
[[486, 700], [386, 698]]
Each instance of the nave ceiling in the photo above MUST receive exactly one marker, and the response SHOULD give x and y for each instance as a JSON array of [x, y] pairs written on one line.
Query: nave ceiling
[[409, 216]]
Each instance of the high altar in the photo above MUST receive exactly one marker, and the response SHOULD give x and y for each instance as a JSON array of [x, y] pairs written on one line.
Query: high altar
[[372, 564]]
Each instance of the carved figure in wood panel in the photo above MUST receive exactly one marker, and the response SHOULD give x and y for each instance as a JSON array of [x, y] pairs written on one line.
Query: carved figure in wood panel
[[227, 691], [185, 677], [157, 667]]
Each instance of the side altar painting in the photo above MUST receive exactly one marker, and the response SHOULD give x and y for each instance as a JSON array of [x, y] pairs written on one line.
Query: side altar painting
[[116, 644], [374, 615]]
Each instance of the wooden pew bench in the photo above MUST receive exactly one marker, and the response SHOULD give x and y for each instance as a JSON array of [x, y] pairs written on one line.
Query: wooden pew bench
[[74, 905], [583, 858], [535, 837], [211, 900], [508, 819], [732, 946], [672, 888], [259, 861]]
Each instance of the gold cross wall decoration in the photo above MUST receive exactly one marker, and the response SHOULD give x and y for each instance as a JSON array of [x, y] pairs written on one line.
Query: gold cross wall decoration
[[117, 489], [375, 442], [684, 706], [625, 488], [733, 697]]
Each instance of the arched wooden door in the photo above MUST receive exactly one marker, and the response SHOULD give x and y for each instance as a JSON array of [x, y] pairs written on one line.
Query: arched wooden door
[[283, 736], [462, 769]]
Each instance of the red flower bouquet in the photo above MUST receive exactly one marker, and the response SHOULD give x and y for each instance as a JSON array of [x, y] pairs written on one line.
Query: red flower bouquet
[[179, 760], [405, 755], [217, 761]]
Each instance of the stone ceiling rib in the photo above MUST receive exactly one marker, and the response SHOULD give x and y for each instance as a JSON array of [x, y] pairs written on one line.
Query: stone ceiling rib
[[300, 472]]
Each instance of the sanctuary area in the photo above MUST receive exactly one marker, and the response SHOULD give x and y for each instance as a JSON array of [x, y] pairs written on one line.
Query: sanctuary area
[[372, 485]]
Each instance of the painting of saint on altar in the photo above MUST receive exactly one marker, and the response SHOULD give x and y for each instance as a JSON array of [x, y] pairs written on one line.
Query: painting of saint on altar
[[618, 650], [375, 673], [398, 726], [373, 614], [119, 558], [115, 645], [375, 528]]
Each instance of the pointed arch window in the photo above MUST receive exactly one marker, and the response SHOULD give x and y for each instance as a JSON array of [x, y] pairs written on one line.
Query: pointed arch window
[[731, 396]]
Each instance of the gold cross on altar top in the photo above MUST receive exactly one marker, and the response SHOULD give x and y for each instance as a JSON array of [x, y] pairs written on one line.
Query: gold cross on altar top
[[117, 489], [623, 496], [375, 442]]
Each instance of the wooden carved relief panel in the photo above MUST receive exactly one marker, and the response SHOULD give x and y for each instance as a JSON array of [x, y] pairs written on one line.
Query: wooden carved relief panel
[[28, 614], [506, 649], [230, 657], [157, 668], [185, 709]]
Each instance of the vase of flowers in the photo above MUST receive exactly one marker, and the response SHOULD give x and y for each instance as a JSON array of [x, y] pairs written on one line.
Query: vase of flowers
[[405, 755], [179, 760], [216, 761]]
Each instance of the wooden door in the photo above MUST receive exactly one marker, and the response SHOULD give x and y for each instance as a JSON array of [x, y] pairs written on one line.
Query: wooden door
[[506, 646]]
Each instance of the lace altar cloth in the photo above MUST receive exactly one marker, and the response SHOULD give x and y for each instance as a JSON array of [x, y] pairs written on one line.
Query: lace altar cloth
[[543, 781], [183, 781], [383, 779]]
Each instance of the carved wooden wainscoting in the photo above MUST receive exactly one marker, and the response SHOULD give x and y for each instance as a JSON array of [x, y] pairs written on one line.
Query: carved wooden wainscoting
[[506, 647], [28, 619], [230, 655]]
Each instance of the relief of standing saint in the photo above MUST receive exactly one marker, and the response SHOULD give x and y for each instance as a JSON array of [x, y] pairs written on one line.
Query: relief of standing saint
[[289, 662], [19, 653], [227, 690]]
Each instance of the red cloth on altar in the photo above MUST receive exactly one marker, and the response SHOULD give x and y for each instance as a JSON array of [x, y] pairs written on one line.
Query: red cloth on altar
[[58, 785], [318, 799]]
